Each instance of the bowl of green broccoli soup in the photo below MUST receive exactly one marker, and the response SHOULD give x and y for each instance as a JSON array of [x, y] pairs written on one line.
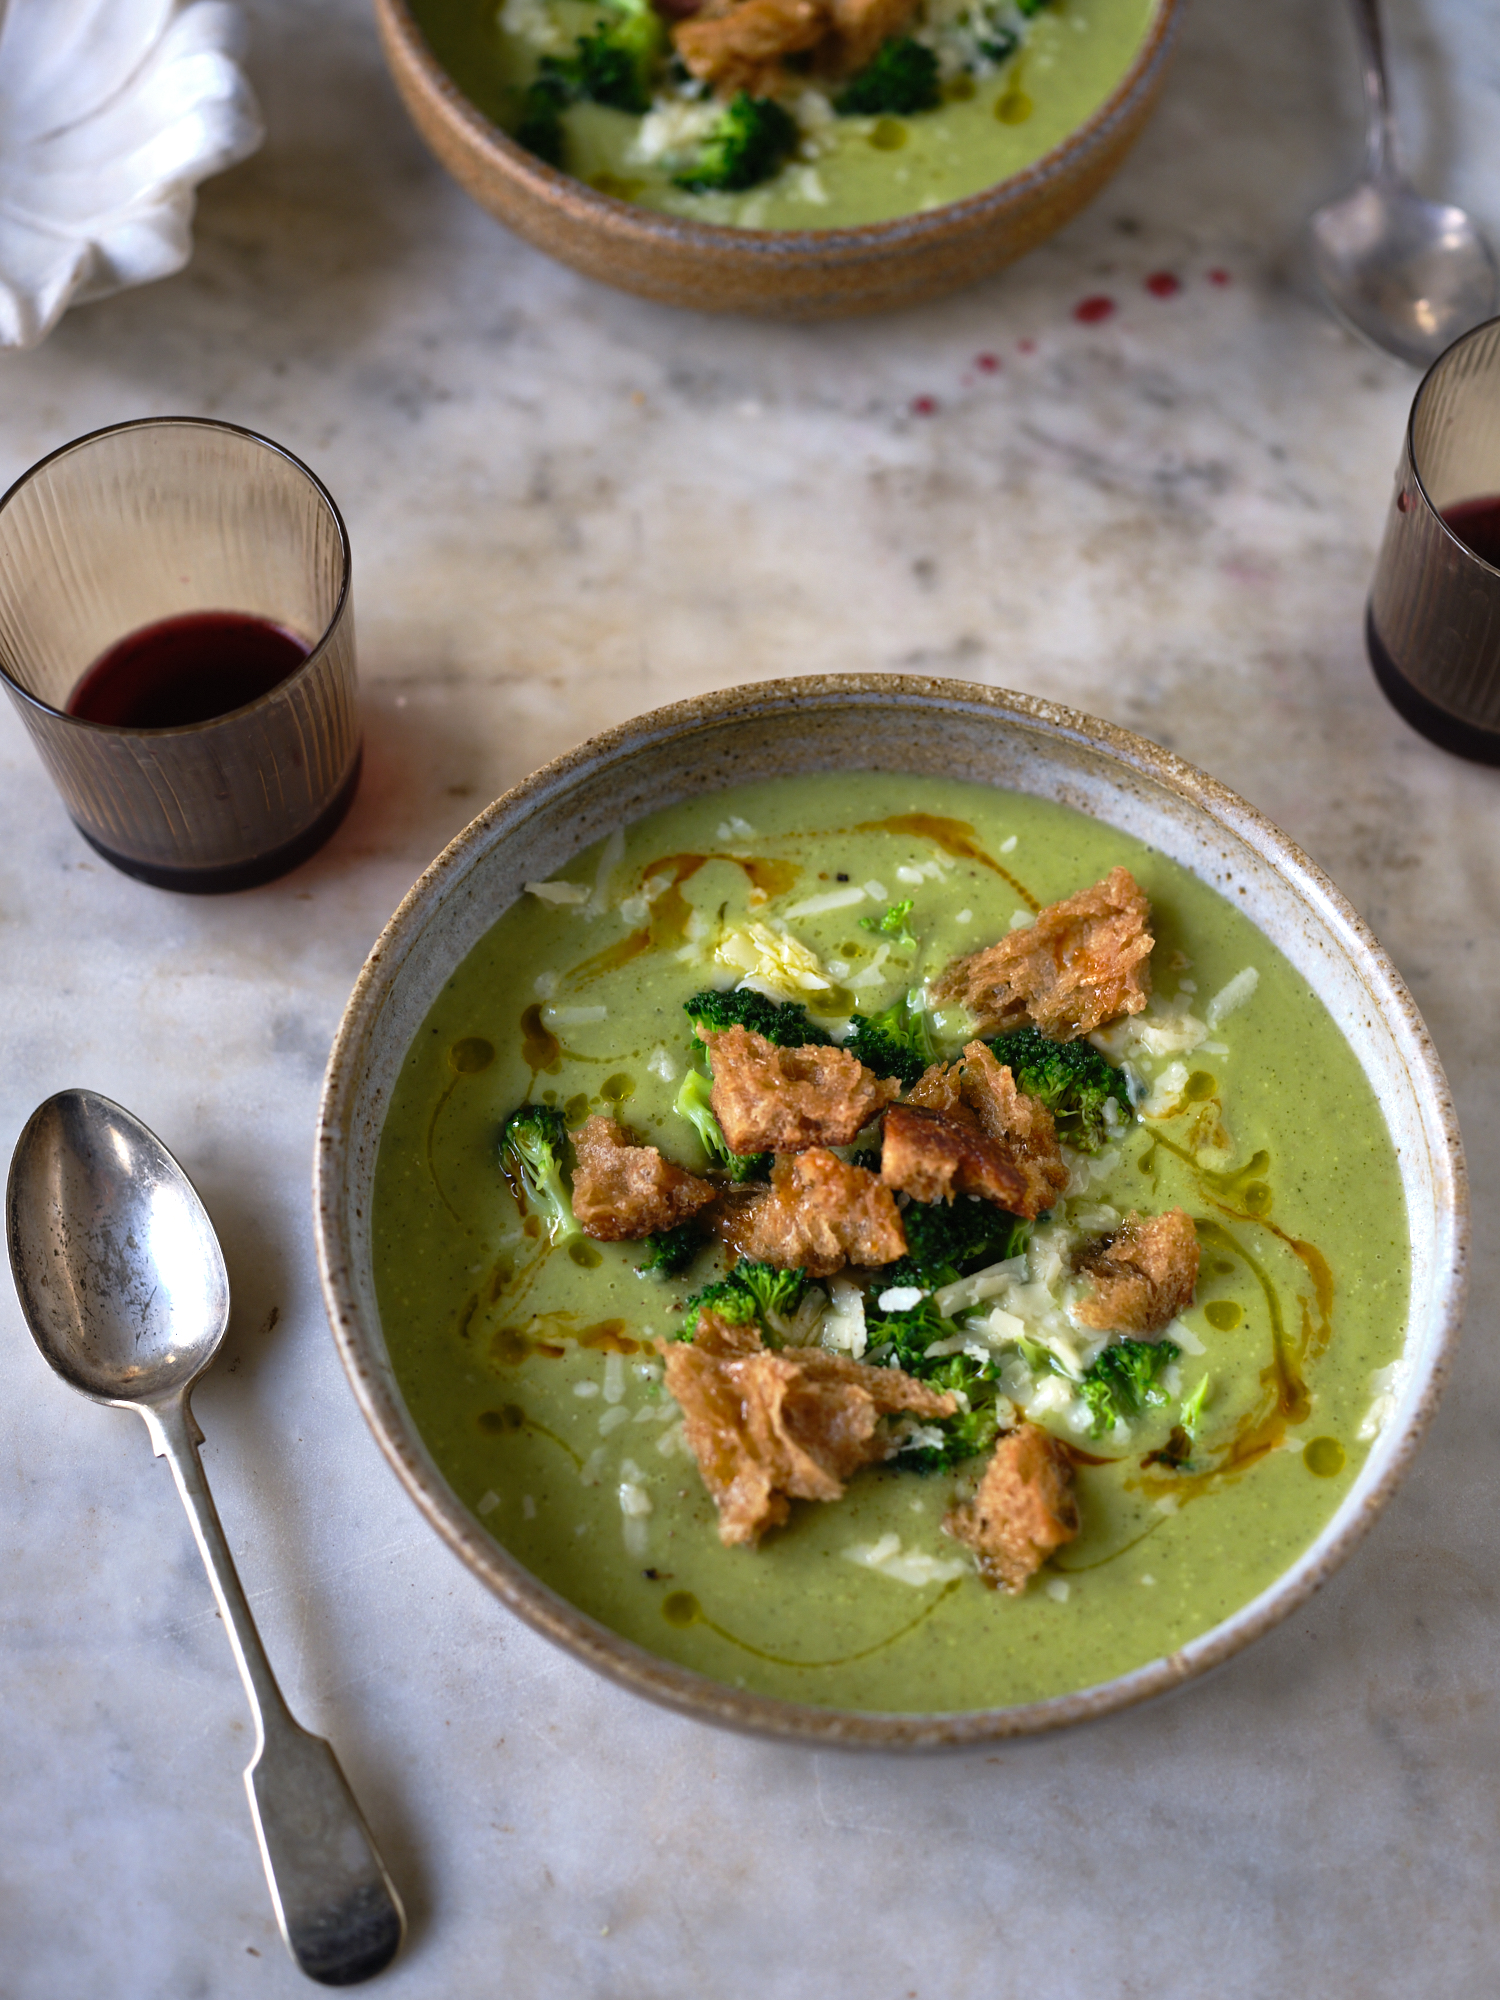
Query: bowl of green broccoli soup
[[879, 1210], [801, 157]]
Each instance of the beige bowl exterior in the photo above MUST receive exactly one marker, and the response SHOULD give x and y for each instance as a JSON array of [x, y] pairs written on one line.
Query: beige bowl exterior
[[953, 729], [788, 273]]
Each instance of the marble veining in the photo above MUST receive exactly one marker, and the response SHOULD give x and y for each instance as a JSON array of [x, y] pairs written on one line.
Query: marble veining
[[567, 505]]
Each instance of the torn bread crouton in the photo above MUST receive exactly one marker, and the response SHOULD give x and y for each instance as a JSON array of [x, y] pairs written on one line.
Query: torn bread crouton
[[940, 1088], [1083, 962], [767, 1428], [1024, 1508], [818, 1214], [742, 47], [778, 1100], [622, 1190], [860, 27], [933, 1157], [1009, 1128], [1019, 1125], [1144, 1275]]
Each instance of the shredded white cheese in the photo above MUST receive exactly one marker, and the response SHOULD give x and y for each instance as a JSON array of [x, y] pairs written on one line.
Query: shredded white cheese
[[834, 899], [910, 1566], [1235, 994], [842, 1328], [559, 893], [661, 1064]]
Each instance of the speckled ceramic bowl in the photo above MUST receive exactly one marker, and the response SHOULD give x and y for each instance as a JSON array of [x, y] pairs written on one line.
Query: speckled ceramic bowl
[[960, 731], [793, 273]]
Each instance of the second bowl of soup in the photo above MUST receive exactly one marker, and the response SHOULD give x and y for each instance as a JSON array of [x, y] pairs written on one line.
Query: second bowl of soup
[[808, 157]]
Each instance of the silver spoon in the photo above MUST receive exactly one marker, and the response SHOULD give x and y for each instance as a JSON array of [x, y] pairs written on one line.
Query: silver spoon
[[124, 1289], [1410, 275]]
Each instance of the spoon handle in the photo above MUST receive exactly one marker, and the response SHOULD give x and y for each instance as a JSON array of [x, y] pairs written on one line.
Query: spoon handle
[[337, 1908], [1380, 145]]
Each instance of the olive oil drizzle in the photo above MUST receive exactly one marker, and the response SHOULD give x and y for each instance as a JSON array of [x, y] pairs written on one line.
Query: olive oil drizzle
[[953, 836], [686, 1610]]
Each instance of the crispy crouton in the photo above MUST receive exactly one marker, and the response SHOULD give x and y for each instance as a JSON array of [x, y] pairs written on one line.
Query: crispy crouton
[[767, 1429], [819, 1214], [933, 1157], [622, 1190], [940, 1088], [1019, 1125], [742, 49], [1083, 962], [1014, 1132], [775, 1100], [1144, 1275], [1024, 1509], [862, 25]]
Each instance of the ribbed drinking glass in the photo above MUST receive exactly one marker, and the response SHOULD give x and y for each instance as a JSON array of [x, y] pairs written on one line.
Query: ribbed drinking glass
[[161, 520], [1433, 625]]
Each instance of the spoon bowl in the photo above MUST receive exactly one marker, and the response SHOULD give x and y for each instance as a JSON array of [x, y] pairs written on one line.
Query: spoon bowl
[[119, 1271], [1410, 275]]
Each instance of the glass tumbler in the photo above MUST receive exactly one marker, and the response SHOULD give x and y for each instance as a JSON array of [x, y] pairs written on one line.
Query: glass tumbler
[[160, 520], [1433, 624]]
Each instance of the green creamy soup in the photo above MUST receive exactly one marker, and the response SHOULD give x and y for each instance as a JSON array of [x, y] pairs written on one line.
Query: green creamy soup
[[1012, 83], [533, 1373]]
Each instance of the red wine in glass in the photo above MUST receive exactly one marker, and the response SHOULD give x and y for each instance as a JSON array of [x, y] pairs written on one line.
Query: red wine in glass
[[187, 669], [1477, 525]]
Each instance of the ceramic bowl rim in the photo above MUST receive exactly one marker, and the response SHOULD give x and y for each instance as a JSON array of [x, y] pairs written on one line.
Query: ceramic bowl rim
[[679, 1688], [551, 186]]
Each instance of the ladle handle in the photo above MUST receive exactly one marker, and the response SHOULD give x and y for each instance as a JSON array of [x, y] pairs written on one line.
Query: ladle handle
[[337, 1907], [1380, 145]]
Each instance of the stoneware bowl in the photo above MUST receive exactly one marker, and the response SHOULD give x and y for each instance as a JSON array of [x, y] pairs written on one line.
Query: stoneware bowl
[[791, 273], [899, 724]]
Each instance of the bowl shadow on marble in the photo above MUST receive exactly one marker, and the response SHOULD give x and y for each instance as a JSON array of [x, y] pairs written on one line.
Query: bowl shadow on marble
[[965, 732]]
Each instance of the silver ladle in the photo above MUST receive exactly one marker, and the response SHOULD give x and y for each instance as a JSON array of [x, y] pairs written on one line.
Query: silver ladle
[[124, 1289], [1410, 275]]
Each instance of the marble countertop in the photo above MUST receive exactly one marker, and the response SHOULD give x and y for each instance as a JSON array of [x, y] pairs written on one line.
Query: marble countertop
[[567, 506]]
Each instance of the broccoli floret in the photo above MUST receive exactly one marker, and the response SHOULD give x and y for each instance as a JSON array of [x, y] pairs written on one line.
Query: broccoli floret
[[902, 79], [1177, 1452], [1027, 8], [1072, 1079], [1124, 1380], [783, 1022], [892, 1043], [907, 1334], [729, 1300], [966, 1433], [670, 1251], [533, 1142], [747, 145], [613, 64], [947, 1240], [904, 1338], [751, 1291], [777, 1294], [996, 44], [540, 130], [616, 64], [695, 1104], [893, 924]]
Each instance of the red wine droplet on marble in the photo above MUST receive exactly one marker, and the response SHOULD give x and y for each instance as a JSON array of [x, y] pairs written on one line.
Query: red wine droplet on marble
[[1477, 525], [185, 670], [1091, 310], [1163, 285]]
